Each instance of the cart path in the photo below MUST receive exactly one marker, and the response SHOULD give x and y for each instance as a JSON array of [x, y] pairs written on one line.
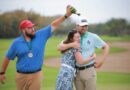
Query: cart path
[[117, 62]]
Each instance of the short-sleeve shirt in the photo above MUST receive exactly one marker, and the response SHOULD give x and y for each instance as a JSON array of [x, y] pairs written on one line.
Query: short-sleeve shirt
[[89, 42], [19, 49]]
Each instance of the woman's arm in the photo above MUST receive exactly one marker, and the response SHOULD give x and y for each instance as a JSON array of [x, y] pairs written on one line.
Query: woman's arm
[[80, 60], [63, 46]]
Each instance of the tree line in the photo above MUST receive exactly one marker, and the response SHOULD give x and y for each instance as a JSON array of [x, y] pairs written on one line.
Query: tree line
[[9, 24]]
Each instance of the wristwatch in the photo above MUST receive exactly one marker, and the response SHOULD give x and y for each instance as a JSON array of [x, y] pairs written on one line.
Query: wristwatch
[[1, 73]]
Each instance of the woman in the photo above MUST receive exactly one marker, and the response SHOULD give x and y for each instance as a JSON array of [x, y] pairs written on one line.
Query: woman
[[69, 59]]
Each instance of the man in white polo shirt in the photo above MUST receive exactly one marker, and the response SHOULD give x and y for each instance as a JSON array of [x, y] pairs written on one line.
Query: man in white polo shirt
[[86, 75]]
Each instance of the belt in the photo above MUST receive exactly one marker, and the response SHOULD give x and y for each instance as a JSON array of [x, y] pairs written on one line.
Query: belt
[[84, 67], [28, 72], [70, 67]]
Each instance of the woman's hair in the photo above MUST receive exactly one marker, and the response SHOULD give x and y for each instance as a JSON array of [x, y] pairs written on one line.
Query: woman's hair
[[69, 38]]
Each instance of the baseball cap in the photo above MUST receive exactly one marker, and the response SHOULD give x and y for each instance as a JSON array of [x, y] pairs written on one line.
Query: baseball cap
[[82, 21], [25, 24]]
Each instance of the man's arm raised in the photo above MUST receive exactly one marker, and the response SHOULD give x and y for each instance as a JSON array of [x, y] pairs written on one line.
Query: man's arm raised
[[58, 21]]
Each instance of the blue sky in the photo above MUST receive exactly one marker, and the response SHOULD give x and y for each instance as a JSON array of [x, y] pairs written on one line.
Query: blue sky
[[95, 10]]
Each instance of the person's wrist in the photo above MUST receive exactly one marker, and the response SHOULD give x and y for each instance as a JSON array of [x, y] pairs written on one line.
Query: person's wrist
[[2, 73], [65, 16]]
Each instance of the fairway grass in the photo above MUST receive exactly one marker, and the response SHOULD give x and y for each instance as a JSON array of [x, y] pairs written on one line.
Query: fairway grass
[[51, 46], [105, 80]]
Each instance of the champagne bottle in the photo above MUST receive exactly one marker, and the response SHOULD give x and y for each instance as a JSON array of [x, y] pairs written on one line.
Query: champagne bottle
[[73, 10]]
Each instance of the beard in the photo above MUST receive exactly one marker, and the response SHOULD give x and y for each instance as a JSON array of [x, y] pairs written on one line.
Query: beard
[[30, 35]]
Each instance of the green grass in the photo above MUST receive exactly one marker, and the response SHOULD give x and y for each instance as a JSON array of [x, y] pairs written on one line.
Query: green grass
[[105, 80], [50, 76], [115, 39], [113, 81], [51, 46], [112, 50]]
